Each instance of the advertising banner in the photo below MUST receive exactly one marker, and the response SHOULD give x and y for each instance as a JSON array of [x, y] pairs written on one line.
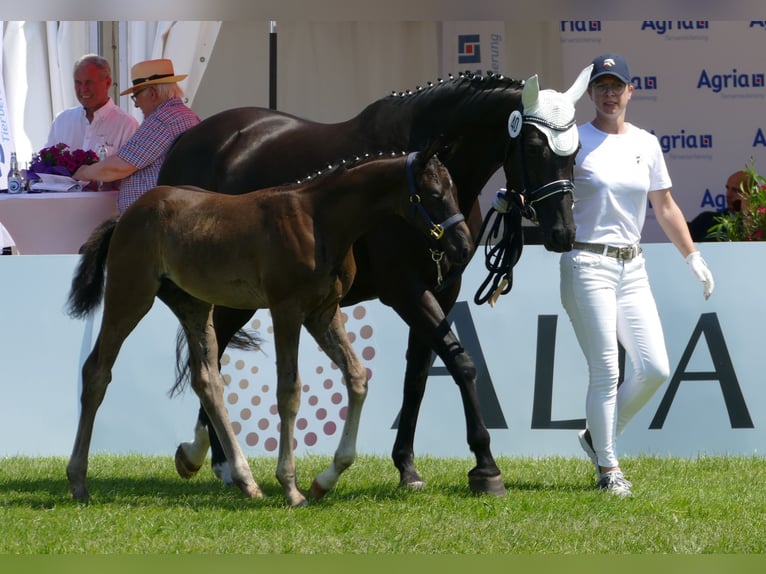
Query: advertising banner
[[699, 87], [473, 47]]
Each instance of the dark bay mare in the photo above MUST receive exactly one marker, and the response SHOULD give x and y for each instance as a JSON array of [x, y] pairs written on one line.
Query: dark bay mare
[[288, 249], [492, 122]]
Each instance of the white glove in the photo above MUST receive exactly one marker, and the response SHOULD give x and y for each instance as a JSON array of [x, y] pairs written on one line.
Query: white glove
[[500, 203], [701, 272]]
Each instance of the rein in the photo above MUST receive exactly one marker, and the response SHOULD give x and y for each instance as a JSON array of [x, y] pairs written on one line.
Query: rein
[[435, 230], [500, 258]]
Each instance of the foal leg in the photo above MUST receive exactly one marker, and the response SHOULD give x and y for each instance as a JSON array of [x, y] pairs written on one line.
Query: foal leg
[[287, 330], [334, 341], [190, 456], [117, 323], [207, 382]]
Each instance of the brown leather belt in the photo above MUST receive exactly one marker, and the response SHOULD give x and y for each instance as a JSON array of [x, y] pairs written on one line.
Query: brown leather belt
[[619, 253]]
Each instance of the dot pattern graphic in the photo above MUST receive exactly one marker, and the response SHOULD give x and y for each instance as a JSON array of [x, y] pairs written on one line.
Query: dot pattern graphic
[[251, 380]]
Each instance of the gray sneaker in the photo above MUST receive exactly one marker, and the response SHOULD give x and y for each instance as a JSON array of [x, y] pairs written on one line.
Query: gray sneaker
[[587, 446], [614, 482]]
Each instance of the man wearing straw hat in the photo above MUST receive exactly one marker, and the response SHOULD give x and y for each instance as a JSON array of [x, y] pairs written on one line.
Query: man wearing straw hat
[[155, 91]]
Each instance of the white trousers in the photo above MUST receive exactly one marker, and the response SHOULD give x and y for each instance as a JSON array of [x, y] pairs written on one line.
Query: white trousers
[[610, 301]]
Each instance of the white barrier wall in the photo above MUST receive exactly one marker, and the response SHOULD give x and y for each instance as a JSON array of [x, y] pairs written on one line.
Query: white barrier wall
[[532, 375]]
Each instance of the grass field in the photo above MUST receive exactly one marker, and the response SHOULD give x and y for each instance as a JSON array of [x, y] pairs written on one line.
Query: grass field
[[710, 505]]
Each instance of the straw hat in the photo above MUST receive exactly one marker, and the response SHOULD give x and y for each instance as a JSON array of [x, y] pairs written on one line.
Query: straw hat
[[152, 72]]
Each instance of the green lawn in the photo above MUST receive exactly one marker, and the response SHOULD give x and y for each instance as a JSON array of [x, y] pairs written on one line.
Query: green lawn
[[714, 505]]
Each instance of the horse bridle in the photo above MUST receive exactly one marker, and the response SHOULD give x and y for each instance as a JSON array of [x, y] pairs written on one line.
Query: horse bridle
[[436, 230], [502, 255], [525, 199]]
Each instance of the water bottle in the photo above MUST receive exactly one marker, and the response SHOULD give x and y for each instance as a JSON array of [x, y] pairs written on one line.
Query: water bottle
[[102, 152], [15, 181]]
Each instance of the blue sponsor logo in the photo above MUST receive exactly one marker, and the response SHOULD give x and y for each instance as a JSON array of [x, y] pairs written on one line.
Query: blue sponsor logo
[[644, 82], [760, 138], [732, 80], [717, 201], [469, 49], [581, 25], [684, 141], [663, 26]]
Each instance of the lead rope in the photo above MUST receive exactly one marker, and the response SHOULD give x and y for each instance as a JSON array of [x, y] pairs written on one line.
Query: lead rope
[[500, 258]]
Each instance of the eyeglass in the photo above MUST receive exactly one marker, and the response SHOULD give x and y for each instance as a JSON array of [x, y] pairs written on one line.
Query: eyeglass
[[136, 94], [604, 89]]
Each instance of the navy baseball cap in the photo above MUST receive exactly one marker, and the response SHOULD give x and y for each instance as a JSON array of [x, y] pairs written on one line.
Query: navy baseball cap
[[610, 64]]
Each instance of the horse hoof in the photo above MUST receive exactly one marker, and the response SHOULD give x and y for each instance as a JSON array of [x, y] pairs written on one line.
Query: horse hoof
[[487, 485], [418, 484], [410, 478], [222, 470], [297, 501], [250, 490], [317, 491], [184, 467], [80, 493]]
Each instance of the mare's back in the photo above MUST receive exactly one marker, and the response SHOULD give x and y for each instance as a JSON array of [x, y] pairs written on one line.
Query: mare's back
[[244, 149]]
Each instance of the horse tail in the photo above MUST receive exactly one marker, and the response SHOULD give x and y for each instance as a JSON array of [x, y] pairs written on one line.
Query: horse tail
[[182, 363], [88, 281], [243, 339], [246, 340]]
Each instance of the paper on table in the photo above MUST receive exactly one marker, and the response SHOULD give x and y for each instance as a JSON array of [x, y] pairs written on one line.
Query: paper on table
[[53, 182]]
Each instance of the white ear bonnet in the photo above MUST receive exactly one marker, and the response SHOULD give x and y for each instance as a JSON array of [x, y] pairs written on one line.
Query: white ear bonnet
[[553, 113]]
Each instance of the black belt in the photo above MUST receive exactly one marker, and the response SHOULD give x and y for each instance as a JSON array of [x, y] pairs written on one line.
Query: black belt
[[7, 251], [619, 253]]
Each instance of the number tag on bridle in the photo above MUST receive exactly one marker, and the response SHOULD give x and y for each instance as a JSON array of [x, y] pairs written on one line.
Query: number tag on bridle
[[514, 123]]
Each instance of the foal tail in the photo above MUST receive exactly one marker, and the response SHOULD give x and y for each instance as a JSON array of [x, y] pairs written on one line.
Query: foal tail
[[88, 281]]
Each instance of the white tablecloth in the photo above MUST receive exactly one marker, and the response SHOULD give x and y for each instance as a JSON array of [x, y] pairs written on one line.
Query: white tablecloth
[[53, 223]]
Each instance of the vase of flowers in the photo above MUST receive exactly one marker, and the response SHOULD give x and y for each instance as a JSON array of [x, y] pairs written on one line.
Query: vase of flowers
[[748, 224], [59, 160]]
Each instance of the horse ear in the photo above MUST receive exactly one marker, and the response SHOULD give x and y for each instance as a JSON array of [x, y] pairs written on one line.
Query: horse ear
[[577, 89], [530, 92]]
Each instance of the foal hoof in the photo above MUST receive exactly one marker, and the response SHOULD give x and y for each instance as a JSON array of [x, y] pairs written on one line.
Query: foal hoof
[[250, 490], [317, 491], [487, 485], [184, 467]]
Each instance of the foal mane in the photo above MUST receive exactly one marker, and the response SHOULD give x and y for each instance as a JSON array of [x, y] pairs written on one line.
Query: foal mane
[[340, 166]]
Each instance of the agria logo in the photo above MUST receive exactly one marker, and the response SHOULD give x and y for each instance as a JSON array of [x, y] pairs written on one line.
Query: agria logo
[[684, 141], [581, 25], [664, 26], [730, 81]]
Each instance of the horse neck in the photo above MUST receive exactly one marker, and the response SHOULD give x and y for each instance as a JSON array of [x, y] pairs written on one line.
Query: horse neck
[[353, 201], [472, 113]]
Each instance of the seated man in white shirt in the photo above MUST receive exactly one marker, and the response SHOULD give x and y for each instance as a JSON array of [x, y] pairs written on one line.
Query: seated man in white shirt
[[97, 120]]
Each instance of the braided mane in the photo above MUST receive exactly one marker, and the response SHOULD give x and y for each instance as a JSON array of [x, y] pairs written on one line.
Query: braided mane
[[443, 101], [489, 81], [344, 164]]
